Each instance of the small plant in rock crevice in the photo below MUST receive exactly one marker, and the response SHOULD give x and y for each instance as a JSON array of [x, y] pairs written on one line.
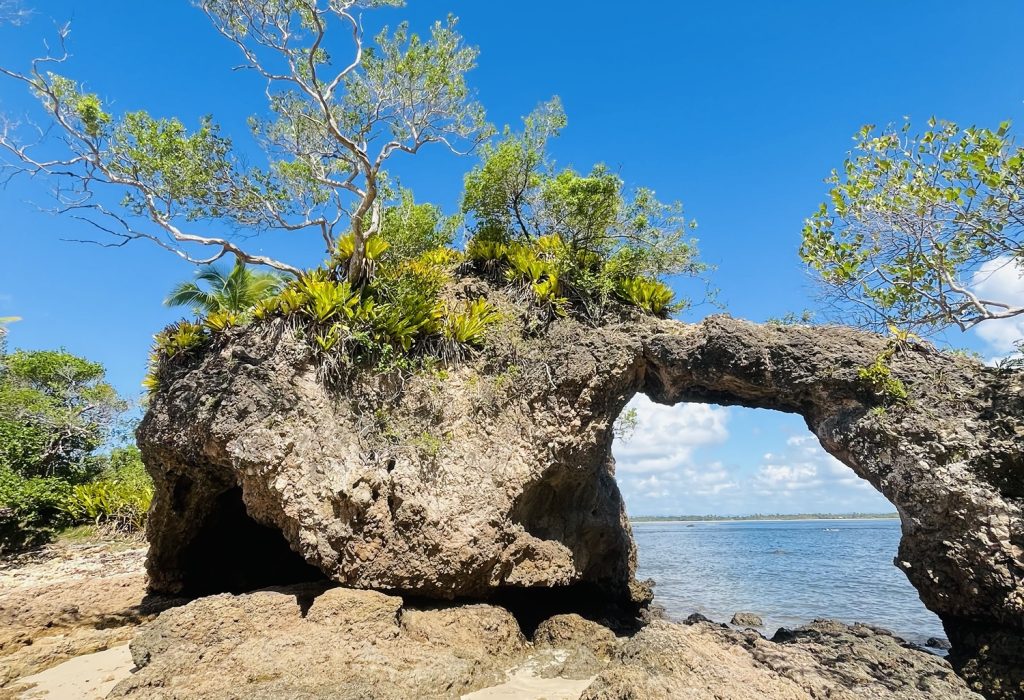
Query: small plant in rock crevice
[[878, 377]]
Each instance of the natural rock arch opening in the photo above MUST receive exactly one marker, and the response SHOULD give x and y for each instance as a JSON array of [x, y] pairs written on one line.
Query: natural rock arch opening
[[706, 460]]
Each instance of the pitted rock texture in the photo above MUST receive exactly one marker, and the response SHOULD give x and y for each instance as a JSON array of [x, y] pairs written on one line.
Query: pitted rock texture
[[498, 475], [364, 645], [826, 659]]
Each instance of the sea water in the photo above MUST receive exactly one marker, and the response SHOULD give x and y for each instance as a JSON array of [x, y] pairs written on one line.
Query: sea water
[[788, 572]]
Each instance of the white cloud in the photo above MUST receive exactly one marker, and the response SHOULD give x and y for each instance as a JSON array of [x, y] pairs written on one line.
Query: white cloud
[[803, 466], [695, 459], [1001, 280], [666, 436]]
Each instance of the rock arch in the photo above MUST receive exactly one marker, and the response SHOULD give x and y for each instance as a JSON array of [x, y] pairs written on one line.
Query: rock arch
[[499, 477]]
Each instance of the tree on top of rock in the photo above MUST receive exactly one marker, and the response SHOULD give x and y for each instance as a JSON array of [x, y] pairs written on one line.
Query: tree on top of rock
[[341, 109]]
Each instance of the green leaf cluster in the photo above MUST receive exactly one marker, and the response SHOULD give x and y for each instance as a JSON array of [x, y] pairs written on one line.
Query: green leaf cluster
[[55, 409], [580, 240], [395, 320], [119, 499], [911, 219], [879, 379]]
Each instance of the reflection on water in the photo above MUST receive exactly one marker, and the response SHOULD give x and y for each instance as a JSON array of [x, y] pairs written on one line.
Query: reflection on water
[[787, 572]]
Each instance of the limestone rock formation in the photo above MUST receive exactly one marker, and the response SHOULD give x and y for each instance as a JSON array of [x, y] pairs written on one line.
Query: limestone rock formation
[[372, 646], [665, 661], [310, 642], [497, 478]]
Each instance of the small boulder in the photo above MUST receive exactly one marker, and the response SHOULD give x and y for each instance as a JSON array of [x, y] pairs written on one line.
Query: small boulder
[[937, 643], [571, 631], [747, 619], [696, 619]]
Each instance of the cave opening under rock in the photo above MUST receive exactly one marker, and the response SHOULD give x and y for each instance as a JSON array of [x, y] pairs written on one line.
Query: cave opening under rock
[[232, 553]]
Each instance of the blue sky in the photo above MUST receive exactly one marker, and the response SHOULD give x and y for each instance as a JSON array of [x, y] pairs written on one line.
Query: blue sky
[[739, 109]]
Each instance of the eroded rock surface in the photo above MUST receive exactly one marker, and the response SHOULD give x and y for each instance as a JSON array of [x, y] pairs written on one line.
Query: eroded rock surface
[[371, 646], [704, 661], [305, 642], [498, 476], [68, 600]]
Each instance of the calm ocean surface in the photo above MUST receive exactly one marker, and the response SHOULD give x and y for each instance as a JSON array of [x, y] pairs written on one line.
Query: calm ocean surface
[[787, 572]]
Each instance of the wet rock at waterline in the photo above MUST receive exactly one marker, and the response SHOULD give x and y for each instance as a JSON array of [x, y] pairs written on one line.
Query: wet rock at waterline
[[496, 479]]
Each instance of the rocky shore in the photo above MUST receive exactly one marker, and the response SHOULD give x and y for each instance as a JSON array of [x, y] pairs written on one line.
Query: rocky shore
[[87, 603], [494, 480]]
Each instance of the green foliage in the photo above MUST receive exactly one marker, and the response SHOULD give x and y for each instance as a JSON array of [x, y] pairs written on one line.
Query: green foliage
[[174, 340], [793, 319], [180, 337], [1013, 362], [235, 292], [912, 219], [626, 424], [55, 408], [121, 505], [650, 295], [31, 509], [376, 246], [469, 325], [412, 230], [574, 238], [55, 411], [486, 251], [326, 300], [394, 322], [334, 127], [879, 379]]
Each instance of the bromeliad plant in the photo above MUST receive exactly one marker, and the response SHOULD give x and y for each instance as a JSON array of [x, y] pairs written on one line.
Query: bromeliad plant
[[650, 295], [394, 320]]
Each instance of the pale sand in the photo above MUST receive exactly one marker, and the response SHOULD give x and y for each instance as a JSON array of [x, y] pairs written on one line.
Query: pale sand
[[88, 677], [526, 685], [92, 676]]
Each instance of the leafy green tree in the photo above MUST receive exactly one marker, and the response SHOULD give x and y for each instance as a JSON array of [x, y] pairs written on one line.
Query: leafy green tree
[[236, 291], [341, 109], [915, 221], [412, 229], [604, 234], [55, 409]]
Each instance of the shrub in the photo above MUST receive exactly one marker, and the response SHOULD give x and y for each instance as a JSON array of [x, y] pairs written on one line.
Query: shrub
[[119, 498], [118, 504], [462, 330], [31, 510]]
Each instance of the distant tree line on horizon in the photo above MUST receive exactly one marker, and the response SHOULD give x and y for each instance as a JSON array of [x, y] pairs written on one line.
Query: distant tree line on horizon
[[762, 516]]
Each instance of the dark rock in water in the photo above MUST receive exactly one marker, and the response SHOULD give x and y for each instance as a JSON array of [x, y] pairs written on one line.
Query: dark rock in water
[[498, 476], [747, 619], [697, 618], [783, 635], [937, 643]]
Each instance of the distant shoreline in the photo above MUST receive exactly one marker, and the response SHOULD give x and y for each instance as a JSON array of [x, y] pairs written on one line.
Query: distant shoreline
[[775, 518]]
